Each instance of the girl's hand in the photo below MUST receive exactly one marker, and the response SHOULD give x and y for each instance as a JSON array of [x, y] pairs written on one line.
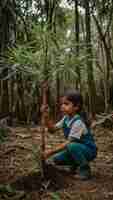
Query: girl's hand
[[51, 125], [47, 153], [44, 109], [58, 148]]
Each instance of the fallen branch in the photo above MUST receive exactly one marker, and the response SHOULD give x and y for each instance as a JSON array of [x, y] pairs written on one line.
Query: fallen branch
[[102, 120], [24, 136], [13, 148]]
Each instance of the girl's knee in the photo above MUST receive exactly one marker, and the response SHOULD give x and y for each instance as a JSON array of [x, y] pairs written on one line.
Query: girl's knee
[[73, 147]]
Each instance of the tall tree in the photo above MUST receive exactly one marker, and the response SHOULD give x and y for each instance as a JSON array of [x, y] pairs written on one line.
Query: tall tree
[[91, 83], [103, 21], [7, 36], [78, 82]]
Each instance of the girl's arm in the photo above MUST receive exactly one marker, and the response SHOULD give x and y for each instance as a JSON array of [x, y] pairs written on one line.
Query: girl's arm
[[48, 122], [52, 127], [58, 148]]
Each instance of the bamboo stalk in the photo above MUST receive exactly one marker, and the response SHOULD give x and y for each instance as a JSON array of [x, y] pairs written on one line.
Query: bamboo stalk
[[43, 128]]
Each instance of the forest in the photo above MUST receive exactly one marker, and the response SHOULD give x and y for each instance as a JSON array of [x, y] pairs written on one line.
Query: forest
[[47, 47]]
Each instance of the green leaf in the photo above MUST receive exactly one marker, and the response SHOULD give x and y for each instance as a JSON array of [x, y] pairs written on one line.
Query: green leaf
[[55, 196], [6, 189]]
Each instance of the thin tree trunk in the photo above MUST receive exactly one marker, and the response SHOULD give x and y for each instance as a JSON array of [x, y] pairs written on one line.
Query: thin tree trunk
[[43, 125], [5, 97], [12, 95], [0, 96], [57, 110], [91, 83], [21, 112], [78, 81], [103, 39]]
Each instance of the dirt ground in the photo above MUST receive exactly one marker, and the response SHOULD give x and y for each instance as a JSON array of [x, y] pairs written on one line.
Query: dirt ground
[[20, 169]]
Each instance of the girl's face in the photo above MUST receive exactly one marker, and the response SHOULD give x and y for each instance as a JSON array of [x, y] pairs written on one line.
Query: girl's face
[[67, 107]]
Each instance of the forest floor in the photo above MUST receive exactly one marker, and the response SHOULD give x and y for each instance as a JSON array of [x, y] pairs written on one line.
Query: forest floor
[[20, 176]]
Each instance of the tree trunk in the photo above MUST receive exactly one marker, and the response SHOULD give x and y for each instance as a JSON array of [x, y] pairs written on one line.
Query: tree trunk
[[57, 109], [4, 97], [21, 112], [91, 83], [103, 39], [78, 81]]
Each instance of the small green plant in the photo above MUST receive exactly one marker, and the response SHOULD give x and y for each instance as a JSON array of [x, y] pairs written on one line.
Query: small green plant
[[55, 196], [36, 157], [7, 189], [3, 134], [9, 192]]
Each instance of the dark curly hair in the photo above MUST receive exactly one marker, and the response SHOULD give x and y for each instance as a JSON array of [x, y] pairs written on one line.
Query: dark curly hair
[[76, 98]]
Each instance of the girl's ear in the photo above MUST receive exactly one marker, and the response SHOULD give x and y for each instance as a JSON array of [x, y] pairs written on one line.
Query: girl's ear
[[77, 107]]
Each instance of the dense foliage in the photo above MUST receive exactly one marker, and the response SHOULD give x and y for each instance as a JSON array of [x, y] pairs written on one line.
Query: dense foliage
[[68, 46]]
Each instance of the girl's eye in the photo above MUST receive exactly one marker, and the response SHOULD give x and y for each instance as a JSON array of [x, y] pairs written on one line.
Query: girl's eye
[[66, 104]]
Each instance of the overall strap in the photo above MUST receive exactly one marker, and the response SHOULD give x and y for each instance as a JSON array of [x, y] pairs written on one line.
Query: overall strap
[[74, 120], [68, 128]]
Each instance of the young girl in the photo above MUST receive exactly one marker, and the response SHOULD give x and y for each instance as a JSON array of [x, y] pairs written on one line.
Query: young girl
[[79, 148]]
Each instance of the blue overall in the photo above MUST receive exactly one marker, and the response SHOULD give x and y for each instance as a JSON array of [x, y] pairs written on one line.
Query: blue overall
[[78, 152]]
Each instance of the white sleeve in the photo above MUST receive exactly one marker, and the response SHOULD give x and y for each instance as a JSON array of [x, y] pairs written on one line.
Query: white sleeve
[[60, 123], [78, 129]]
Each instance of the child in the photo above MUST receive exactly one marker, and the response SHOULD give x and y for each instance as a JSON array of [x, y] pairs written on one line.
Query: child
[[79, 148]]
